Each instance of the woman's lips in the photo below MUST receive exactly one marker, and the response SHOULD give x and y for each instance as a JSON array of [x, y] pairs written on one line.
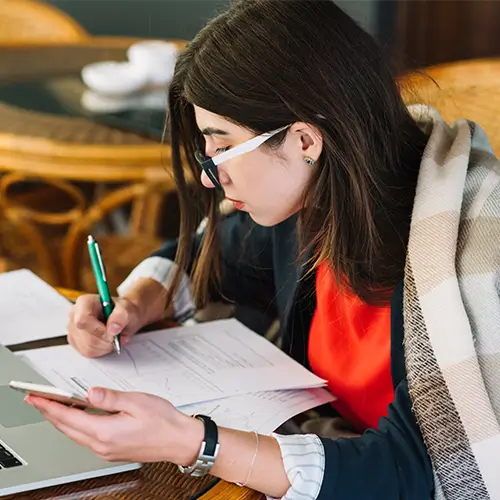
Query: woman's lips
[[237, 203]]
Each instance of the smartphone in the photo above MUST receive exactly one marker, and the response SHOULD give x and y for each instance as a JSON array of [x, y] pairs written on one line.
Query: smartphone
[[52, 393]]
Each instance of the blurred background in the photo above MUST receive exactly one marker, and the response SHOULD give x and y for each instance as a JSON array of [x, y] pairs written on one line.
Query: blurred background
[[427, 31], [172, 18], [81, 152]]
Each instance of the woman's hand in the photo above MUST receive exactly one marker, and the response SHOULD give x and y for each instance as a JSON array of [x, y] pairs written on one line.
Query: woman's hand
[[145, 428], [143, 304], [149, 429], [87, 332]]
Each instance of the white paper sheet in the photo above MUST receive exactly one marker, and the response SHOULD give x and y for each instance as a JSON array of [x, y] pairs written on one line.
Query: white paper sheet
[[30, 309], [184, 365], [262, 412]]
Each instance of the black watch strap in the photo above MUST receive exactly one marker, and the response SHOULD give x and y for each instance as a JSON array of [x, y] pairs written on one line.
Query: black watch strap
[[211, 434]]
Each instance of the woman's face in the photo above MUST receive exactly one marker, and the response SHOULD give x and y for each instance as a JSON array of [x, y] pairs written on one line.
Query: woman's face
[[266, 183]]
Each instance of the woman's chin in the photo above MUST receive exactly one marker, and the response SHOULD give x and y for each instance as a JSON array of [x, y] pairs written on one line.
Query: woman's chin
[[265, 220]]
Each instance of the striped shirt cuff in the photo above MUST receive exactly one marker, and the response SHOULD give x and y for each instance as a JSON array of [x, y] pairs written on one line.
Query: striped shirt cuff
[[304, 460], [162, 270]]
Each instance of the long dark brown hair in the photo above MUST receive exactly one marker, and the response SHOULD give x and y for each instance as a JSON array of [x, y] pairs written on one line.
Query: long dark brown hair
[[264, 64]]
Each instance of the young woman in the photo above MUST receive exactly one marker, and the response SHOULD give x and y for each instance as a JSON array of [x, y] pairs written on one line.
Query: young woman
[[370, 228]]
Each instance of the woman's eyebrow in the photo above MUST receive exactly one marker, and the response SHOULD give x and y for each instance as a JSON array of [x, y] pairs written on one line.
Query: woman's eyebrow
[[213, 131]]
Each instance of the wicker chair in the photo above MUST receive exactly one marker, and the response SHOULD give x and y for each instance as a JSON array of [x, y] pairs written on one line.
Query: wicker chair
[[29, 21], [48, 236], [463, 89]]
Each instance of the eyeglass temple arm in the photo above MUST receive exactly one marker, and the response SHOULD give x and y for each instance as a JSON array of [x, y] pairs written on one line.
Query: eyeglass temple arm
[[246, 147]]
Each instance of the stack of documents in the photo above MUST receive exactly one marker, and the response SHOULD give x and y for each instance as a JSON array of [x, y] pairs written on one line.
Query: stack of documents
[[30, 309], [221, 368]]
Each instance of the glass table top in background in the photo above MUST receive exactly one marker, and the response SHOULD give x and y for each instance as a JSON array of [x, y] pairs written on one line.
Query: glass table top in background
[[47, 80]]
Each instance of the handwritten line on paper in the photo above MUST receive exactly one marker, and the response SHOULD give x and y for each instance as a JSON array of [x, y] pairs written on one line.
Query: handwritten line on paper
[[185, 365], [262, 412]]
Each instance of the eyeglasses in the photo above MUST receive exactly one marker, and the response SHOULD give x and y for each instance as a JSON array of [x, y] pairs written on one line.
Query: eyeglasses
[[209, 165]]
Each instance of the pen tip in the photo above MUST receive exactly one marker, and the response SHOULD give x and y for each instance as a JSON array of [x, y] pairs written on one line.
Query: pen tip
[[90, 239], [116, 344]]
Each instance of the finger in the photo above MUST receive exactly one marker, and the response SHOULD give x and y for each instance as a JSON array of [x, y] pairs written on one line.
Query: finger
[[89, 346], [90, 326], [103, 450], [75, 435], [127, 334], [93, 349], [125, 339], [100, 449], [114, 401], [89, 304], [95, 432], [85, 317], [119, 319], [72, 418]]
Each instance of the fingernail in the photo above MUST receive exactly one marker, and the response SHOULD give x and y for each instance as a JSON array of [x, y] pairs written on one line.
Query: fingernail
[[114, 328], [97, 395], [28, 401]]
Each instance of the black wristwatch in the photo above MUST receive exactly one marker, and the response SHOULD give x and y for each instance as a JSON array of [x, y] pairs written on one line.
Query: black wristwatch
[[208, 451]]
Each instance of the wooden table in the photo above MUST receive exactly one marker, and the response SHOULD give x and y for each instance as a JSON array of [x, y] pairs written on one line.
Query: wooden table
[[159, 481]]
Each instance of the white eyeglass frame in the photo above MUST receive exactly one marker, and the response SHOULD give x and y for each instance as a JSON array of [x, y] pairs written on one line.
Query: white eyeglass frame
[[246, 147]]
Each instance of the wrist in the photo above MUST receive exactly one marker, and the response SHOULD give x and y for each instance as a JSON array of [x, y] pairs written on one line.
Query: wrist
[[148, 296], [190, 434], [256, 462]]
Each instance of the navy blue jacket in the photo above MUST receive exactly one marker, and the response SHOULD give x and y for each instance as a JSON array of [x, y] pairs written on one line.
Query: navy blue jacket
[[260, 269]]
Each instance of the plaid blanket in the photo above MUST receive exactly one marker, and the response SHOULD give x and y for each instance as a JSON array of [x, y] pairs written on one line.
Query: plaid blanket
[[452, 308]]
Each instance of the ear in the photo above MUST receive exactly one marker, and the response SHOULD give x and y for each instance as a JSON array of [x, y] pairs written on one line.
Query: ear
[[308, 138]]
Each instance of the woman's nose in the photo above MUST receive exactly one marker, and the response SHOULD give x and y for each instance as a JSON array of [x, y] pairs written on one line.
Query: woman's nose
[[205, 180], [224, 179]]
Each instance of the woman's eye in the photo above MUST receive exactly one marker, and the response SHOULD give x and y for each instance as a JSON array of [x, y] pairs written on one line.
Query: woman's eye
[[222, 150]]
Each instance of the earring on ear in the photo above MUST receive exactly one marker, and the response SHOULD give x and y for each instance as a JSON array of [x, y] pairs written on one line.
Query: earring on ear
[[309, 161]]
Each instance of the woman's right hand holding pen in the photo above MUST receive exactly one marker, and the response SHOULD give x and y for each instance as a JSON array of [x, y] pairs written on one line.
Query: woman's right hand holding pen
[[144, 303]]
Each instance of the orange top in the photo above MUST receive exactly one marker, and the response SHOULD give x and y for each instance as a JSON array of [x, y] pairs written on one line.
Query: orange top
[[349, 345]]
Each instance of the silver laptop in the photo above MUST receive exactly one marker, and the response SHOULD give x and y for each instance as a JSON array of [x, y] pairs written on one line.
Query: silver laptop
[[33, 454]]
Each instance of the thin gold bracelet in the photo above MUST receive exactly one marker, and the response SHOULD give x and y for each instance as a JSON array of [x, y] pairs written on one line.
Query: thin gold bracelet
[[252, 463]]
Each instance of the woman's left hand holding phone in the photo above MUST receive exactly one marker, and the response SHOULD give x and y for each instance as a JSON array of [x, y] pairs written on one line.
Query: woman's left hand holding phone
[[141, 428], [146, 428]]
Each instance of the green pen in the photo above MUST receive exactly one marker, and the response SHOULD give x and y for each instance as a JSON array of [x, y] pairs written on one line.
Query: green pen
[[102, 284]]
